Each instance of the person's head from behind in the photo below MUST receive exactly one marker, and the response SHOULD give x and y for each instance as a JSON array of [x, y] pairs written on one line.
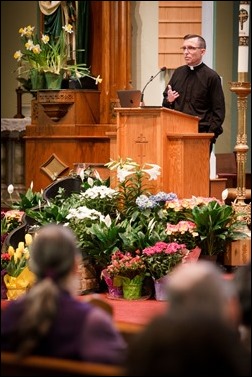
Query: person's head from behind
[[54, 254], [54, 259], [196, 345], [194, 48], [201, 288]]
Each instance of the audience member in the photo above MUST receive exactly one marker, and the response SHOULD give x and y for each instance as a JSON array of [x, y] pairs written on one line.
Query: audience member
[[196, 346], [49, 320], [198, 335], [242, 280], [201, 288]]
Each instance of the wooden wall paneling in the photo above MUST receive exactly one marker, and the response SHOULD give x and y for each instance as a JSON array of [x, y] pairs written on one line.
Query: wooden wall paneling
[[68, 149], [176, 19], [116, 55], [73, 139]]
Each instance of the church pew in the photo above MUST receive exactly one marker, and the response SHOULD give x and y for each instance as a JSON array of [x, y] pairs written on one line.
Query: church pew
[[41, 366]]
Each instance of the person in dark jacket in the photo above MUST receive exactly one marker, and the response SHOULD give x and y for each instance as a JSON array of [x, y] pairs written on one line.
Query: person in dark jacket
[[49, 320], [196, 89]]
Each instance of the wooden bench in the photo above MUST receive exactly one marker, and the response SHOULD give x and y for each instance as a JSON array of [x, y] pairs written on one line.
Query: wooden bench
[[41, 366]]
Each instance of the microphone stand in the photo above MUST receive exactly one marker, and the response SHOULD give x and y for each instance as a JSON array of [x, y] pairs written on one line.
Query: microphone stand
[[151, 78]]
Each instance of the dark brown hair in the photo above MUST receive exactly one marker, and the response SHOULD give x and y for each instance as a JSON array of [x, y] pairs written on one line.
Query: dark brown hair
[[201, 40]]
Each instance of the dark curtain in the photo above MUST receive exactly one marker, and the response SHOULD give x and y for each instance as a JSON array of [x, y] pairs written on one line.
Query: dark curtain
[[82, 32]]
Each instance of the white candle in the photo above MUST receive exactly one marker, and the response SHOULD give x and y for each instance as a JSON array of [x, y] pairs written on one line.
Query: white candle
[[243, 48]]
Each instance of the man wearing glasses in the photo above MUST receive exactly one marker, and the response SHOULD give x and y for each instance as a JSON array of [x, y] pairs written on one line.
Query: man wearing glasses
[[196, 89]]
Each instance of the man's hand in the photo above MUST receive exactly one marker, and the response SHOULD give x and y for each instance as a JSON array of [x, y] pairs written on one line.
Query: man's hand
[[171, 94]]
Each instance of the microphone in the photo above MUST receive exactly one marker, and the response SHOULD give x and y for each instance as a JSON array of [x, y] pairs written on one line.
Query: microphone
[[151, 78]]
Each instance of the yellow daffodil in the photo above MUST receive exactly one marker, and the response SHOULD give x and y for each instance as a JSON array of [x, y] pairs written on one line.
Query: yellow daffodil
[[18, 55], [45, 38], [98, 80], [28, 239], [21, 246], [68, 28], [11, 250]]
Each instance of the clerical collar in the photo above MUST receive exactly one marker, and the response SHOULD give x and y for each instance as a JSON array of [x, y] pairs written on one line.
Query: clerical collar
[[192, 68]]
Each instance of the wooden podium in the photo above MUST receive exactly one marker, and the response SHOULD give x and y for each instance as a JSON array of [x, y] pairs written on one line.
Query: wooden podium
[[171, 140]]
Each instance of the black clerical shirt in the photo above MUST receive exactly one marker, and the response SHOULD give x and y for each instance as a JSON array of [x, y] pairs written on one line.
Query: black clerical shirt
[[200, 93]]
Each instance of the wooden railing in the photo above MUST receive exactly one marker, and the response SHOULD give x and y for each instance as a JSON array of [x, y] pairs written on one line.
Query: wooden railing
[[41, 366]]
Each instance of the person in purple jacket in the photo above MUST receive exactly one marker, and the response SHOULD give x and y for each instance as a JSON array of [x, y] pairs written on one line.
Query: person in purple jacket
[[49, 320]]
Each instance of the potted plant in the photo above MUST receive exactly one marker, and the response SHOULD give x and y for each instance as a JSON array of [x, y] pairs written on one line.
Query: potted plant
[[217, 224], [15, 274], [127, 271], [47, 57], [161, 259]]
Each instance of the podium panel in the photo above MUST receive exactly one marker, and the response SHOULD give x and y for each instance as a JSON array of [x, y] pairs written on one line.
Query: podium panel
[[171, 140]]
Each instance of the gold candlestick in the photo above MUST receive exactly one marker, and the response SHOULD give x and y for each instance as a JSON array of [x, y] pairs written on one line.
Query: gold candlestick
[[242, 90]]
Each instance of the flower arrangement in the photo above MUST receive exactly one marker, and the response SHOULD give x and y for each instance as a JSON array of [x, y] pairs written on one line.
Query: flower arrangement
[[132, 181], [17, 277], [47, 54], [161, 258], [126, 272], [101, 198], [126, 265], [184, 232], [17, 259], [128, 217], [180, 209], [10, 220], [125, 275]]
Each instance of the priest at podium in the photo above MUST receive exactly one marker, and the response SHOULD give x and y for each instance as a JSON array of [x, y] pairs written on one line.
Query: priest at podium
[[196, 89]]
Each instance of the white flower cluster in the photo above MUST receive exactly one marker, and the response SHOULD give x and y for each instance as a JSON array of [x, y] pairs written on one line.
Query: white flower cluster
[[101, 192]]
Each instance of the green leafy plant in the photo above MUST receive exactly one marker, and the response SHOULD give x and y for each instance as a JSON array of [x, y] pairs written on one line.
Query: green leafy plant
[[28, 200], [217, 225]]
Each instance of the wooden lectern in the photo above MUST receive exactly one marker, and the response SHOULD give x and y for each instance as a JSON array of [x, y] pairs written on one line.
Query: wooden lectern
[[171, 140]]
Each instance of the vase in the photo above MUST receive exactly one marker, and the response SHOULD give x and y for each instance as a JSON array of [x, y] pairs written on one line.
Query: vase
[[53, 80], [37, 80], [113, 291], [14, 293], [160, 288], [17, 286], [132, 291]]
